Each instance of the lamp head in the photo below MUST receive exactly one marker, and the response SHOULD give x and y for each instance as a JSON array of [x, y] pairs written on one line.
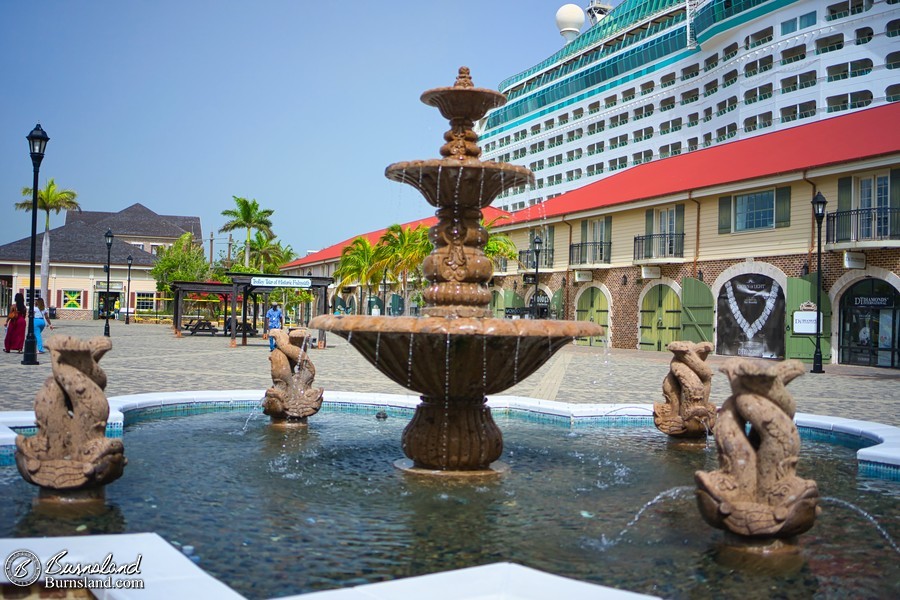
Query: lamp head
[[130, 260], [818, 204], [538, 242], [109, 238], [37, 141]]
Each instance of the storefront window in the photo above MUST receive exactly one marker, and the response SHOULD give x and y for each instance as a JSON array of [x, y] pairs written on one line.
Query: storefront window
[[869, 324]]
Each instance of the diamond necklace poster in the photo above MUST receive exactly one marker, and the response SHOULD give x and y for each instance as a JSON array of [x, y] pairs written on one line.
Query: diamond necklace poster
[[751, 317]]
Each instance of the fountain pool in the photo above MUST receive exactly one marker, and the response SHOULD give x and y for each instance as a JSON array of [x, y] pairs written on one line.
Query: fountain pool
[[609, 502]]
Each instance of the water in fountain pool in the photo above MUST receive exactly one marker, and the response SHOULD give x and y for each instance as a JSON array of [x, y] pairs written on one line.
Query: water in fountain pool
[[273, 511]]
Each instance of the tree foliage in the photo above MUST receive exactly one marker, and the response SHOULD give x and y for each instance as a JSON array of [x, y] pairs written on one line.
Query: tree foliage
[[182, 261], [248, 215]]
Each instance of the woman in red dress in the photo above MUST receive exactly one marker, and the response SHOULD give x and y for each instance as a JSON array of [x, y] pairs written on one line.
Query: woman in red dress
[[16, 323]]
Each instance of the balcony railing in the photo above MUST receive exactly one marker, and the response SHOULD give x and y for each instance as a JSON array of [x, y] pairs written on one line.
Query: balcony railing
[[501, 264], [659, 245], [589, 253], [526, 257], [862, 225]]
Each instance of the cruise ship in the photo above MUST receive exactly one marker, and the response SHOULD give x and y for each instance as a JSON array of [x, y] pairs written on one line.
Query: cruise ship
[[649, 79]]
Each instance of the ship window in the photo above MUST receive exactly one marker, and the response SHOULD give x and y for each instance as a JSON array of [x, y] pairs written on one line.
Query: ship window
[[788, 27], [807, 20], [865, 34]]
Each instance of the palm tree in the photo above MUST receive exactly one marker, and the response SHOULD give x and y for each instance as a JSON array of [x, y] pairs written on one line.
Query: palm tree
[[49, 198], [357, 264], [247, 215], [498, 245], [267, 254], [401, 251]]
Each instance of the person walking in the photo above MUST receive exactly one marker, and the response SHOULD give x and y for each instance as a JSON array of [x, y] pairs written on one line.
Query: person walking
[[41, 320], [16, 324], [274, 320]]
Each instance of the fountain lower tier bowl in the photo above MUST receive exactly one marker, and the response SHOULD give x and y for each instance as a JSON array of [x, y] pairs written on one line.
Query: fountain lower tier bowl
[[463, 182], [454, 363], [455, 359]]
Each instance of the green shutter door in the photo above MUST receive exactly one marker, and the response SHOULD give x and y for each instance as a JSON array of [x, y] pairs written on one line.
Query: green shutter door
[[803, 346], [660, 318], [845, 204], [497, 305], [592, 306], [697, 311]]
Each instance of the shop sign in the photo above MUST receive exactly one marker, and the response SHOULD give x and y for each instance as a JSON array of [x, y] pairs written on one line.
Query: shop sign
[[650, 272], [114, 286], [529, 278], [583, 276], [873, 301], [805, 321], [854, 260], [280, 282]]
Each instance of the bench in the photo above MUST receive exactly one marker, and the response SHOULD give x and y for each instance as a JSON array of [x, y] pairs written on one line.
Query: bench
[[241, 328], [203, 326]]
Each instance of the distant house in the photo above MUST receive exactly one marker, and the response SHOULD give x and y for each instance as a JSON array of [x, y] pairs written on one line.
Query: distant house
[[78, 256]]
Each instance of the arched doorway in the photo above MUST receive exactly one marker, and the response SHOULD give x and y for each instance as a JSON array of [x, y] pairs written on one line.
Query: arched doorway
[[750, 310], [869, 324], [543, 305], [592, 306], [660, 318]]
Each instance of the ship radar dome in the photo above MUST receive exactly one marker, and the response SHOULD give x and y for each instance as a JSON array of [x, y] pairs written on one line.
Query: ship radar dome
[[569, 19]]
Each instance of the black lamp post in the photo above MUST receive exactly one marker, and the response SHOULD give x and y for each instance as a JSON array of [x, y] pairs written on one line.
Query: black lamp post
[[109, 239], [128, 290], [37, 142], [818, 204], [536, 242]]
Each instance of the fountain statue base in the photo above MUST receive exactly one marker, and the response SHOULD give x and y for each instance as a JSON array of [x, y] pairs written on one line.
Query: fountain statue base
[[771, 556], [495, 469]]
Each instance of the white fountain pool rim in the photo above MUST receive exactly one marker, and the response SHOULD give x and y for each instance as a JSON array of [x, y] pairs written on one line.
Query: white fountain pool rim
[[170, 572], [881, 457]]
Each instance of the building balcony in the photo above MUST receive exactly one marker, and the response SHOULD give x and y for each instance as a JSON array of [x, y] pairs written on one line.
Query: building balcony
[[526, 258], [863, 228], [659, 248], [590, 253]]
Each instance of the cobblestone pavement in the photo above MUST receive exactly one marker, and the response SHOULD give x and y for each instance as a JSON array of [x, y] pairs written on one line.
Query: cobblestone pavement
[[149, 358]]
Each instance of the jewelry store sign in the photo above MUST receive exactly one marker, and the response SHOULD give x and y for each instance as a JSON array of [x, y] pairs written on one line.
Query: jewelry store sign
[[805, 321]]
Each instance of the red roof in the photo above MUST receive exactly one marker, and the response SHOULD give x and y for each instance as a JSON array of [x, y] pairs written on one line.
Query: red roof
[[334, 252], [858, 135]]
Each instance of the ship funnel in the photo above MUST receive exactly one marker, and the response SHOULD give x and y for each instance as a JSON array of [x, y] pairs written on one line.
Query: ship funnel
[[569, 19]]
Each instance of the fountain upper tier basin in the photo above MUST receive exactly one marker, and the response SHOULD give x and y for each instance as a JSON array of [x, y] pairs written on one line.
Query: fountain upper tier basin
[[465, 182], [429, 354]]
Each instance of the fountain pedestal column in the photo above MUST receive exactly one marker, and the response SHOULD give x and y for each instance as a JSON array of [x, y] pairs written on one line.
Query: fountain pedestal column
[[459, 436]]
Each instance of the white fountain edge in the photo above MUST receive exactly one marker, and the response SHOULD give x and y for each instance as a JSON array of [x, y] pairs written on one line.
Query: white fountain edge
[[884, 454]]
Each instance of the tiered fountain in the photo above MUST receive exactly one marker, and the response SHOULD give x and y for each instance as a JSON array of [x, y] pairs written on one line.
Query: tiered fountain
[[456, 354]]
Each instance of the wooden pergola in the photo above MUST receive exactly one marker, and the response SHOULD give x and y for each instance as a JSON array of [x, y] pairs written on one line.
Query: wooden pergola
[[248, 285]]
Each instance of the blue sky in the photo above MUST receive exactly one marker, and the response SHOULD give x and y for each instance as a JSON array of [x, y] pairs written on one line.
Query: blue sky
[[181, 104]]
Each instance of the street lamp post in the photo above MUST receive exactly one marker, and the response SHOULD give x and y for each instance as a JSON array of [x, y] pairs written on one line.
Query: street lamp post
[[37, 142], [818, 204], [109, 240], [128, 290], [536, 242]]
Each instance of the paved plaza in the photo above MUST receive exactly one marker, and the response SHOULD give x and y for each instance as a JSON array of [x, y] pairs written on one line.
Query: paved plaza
[[149, 358]]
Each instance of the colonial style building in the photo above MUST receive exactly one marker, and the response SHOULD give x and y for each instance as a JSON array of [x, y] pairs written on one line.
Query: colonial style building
[[720, 245], [78, 255]]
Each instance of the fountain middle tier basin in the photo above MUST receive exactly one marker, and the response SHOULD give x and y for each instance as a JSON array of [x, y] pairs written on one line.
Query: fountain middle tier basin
[[455, 358], [464, 182]]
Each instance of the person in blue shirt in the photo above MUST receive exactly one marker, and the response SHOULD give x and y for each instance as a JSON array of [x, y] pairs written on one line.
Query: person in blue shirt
[[274, 320]]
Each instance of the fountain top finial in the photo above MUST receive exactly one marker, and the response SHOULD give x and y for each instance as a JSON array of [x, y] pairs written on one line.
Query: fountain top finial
[[464, 78]]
